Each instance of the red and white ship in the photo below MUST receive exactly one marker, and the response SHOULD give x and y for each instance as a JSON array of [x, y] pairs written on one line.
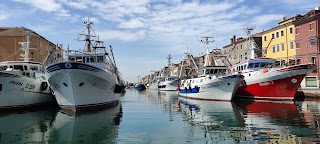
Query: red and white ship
[[263, 81]]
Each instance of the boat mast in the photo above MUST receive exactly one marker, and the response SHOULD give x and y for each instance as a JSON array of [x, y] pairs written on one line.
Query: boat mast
[[88, 24], [250, 42], [25, 46], [169, 64], [206, 40]]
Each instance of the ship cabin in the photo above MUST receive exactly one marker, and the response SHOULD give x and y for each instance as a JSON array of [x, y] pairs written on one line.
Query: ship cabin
[[253, 65], [170, 78], [22, 68], [213, 71], [97, 59]]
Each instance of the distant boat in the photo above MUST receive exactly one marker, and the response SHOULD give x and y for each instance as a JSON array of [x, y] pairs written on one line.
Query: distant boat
[[213, 83], [170, 82], [23, 83], [88, 78], [140, 87]]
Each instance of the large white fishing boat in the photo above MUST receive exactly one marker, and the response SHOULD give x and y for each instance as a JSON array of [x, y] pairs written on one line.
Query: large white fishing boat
[[23, 83], [213, 83], [86, 79]]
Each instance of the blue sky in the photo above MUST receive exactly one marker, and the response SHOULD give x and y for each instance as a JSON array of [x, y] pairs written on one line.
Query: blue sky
[[144, 32]]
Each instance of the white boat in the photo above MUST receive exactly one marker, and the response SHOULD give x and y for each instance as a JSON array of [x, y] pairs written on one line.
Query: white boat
[[86, 79], [23, 83], [213, 83], [170, 83]]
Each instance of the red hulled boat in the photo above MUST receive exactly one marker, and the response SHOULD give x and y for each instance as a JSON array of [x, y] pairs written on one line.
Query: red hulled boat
[[264, 81]]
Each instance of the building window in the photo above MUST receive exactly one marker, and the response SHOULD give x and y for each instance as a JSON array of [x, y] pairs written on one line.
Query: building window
[[297, 31], [311, 26], [265, 38], [282, 47], [240, 46], [273, 49], [291, 30], [313, 60], [32, 55], [272, 36], [278, 49], [311, 81], [291, 45], [298, 44], [237, 48], [282, 33], [240, 57], [277, 34]]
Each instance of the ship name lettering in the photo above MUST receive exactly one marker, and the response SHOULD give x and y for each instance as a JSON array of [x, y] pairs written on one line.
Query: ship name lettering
[[16, 83], [266, 83]]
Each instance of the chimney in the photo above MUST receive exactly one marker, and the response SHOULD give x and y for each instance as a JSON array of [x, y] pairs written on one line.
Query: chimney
[[234, 39], [283, 19], [231, 40]]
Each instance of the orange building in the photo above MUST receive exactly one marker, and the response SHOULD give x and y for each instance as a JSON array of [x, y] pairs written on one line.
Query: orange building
[[10, 49]]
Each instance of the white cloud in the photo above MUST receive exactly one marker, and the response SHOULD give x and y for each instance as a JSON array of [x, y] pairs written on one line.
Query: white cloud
[[122, 35], [3, 15], [50, 6], [265, 19], [47, 5], [133, 23]]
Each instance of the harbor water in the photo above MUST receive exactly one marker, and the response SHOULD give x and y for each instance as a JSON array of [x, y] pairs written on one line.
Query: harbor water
[[163, 117]]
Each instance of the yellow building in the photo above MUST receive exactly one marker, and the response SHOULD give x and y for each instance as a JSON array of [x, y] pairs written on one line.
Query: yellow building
[[279, 42]]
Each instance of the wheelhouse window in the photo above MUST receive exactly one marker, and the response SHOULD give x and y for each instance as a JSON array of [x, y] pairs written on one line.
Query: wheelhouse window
[[3, 67], [256, 65], [18, 67], [251, 65], [33, 68]]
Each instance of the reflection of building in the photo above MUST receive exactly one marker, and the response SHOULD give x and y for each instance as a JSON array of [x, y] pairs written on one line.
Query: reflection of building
[[10, 48], [307, 45]]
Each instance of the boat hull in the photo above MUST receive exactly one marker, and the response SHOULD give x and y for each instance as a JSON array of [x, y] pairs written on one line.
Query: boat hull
[[80, 86], [278, 84], [220, 89], [20, 91]]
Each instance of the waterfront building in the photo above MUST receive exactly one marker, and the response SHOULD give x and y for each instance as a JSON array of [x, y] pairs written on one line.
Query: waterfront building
[[239, 49], [279, 42], [307, 45], [10, 48]]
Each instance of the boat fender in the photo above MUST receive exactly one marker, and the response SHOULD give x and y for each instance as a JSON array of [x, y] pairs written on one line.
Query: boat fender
[[44, 85], [185, 88]]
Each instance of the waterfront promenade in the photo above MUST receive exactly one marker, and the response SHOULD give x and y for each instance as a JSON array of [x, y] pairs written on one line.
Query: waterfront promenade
[[308, 93]]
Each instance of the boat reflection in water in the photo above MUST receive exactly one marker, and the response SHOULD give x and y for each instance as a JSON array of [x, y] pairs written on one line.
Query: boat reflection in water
[[274, 121], [97, 127], [220, 121], [52, 126], [26, 126]]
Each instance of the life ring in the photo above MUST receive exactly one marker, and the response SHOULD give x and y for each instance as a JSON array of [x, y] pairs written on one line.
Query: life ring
[[68, 65]]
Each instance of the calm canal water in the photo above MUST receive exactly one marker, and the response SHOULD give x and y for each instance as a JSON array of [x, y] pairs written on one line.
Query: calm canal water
[[163, 117]]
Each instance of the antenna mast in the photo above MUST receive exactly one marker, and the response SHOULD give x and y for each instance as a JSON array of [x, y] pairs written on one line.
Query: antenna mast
[[250, 41], [169, 64], [206, 40]]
